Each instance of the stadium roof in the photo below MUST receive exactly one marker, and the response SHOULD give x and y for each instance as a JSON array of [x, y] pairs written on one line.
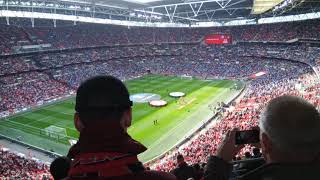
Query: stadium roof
[[209, 10], [187, 12], [261, 6]]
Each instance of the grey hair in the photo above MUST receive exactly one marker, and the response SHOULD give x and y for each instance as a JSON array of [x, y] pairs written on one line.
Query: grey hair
[[292, 124]]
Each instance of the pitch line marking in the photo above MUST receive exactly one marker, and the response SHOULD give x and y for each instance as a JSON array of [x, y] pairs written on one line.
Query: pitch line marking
[[32, 127], [189, 102], [37, 120], [148, 97]]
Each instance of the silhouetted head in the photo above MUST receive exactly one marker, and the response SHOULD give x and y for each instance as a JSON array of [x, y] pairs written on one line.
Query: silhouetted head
[[59, 168], [290, 130], [102, 99]]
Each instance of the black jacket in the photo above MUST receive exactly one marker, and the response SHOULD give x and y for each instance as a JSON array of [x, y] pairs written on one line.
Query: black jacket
[[218, 169], [184, 171], [279, 171]]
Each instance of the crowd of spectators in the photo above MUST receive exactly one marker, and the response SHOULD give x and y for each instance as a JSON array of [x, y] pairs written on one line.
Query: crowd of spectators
[[11, 36], [66, 35], [110, 35], [28, 89], [16, 65], [303, 53], [195, 54], [18, 166]]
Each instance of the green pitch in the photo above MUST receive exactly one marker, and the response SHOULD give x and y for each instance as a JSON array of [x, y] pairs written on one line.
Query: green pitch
[[175, 121]]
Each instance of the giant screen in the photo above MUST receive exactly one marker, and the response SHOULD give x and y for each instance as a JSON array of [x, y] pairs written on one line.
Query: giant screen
[[218, 39]]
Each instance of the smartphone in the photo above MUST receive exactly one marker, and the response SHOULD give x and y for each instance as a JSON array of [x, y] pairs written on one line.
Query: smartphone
[[247, 137]]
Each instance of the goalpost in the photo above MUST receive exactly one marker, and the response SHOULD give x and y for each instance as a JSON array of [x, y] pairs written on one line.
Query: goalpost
[[54, 132]]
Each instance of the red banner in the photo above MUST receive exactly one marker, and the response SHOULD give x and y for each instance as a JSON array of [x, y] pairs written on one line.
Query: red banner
[[261, 73], [218, 39]]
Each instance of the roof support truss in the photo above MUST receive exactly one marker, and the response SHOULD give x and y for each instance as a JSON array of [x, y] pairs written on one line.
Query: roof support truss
[[196, 12], [197, 8], [171, 15]]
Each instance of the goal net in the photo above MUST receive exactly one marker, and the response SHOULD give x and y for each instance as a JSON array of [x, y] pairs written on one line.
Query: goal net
[[54, 132]]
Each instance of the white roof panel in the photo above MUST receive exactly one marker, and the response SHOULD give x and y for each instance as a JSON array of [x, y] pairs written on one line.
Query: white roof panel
[[261, 6]]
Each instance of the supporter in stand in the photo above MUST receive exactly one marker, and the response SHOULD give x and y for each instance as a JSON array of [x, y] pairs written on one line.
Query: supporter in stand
[[104, 149], [289, 140], [250, 163], [59, 168], [247, 155], [198, 171], [256, 153], [183, 171]]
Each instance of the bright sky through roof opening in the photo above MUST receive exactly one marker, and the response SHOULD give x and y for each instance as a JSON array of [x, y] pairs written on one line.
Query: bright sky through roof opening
[[261, 6], [142, 1]]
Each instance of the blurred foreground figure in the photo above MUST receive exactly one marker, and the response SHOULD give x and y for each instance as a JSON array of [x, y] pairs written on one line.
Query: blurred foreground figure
[[183, 170], [59, 168]]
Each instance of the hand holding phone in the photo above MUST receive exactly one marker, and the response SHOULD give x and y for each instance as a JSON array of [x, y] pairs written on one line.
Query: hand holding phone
[[228, 149], [247, 137]]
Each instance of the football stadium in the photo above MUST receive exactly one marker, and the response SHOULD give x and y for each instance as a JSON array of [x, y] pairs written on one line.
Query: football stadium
[[194, 70]]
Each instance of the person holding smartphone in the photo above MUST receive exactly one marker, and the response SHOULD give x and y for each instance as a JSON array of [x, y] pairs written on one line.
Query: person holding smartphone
[[290, 141]]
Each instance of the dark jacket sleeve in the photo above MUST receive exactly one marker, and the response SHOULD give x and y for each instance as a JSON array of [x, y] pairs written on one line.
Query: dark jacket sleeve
[[217, 169]]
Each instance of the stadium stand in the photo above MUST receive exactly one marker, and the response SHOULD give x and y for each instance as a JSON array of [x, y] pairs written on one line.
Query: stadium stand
[[19, 167], [29, 79], [29, 89], [91, 35]]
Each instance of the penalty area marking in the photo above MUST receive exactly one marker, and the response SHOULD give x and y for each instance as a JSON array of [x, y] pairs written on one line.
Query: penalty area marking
[[189, 102]]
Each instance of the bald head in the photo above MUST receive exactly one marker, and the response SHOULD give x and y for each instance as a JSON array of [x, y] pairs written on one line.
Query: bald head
[[292, 125]]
